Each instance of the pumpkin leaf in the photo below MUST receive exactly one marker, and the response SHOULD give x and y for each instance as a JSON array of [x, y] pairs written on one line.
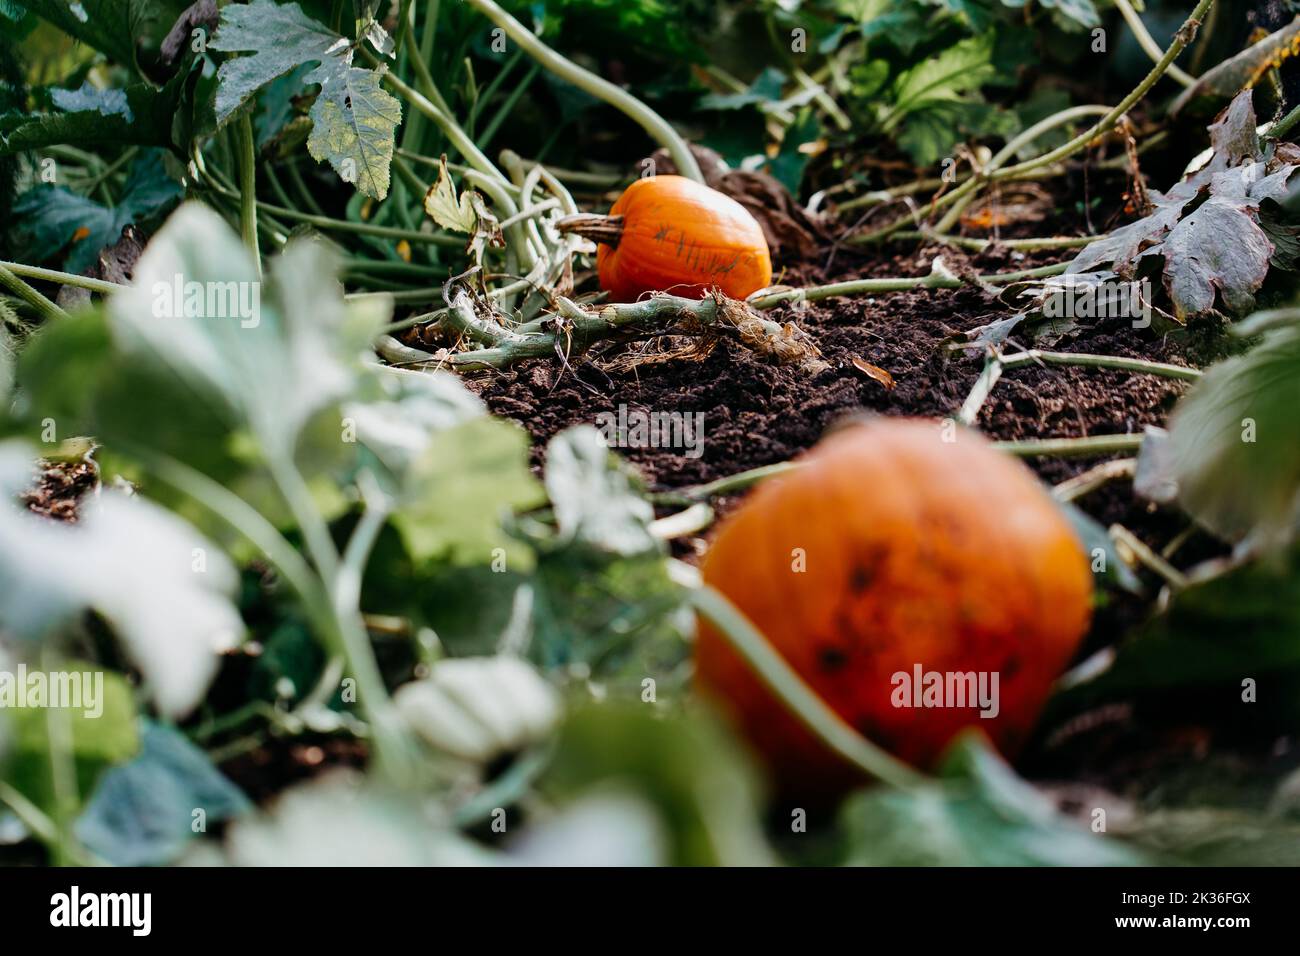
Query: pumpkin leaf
[[594, 495], [1224, 627], [466, 480], [686, 767], [143, 812], [978, 813], [354, 119], [105, 736], [52, 219], [1215, 242], [340, 820], [1233, 453]]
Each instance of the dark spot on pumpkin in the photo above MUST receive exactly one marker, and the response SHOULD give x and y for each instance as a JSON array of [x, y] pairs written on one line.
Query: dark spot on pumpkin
[[831, 659], [860, 578], [1011, 666]]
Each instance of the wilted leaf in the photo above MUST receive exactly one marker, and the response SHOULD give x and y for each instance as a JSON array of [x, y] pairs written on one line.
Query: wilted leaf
[[445, 207], [354, 119], [1222, 248], [874, 372]]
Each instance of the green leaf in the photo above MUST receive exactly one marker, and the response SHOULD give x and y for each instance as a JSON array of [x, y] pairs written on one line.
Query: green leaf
[[52, 219], [1114, 572], [766, 88], [946, 77], [97, 741], [88, 98], [114, 27], [354, 119], [1233, 450], [596, 498], [466, 482], [173, 631], [143, 812], [1219, 630], [979, 813], [339, 820], [686, 767]]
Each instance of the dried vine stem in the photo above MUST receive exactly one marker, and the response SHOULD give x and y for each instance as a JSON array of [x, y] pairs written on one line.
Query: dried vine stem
[[574, 329]]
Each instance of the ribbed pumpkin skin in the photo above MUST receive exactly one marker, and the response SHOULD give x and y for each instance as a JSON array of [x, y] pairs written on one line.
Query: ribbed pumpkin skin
[[682, 237], [918, 551]]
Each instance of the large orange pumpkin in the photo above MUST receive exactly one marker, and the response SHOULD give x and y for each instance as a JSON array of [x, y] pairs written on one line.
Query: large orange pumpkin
[[900, 547], [672, 234]]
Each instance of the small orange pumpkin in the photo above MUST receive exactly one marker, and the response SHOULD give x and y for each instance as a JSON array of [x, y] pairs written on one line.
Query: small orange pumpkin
[[672, 234], [893, 551]]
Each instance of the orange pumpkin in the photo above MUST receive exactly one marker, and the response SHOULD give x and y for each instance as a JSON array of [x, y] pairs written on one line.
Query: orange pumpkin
[[672, 234], [891, 552]]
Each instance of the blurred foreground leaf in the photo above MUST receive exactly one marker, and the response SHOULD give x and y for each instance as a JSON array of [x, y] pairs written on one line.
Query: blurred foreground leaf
[[143, 813], [685, 766], [978, 813]]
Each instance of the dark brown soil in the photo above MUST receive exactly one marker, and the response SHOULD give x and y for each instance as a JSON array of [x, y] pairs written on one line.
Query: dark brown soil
[[757, 413]]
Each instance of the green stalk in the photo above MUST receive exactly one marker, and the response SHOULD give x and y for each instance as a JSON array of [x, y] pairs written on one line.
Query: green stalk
[[248, 185], [799, 698], [47, 309], [508, 105], [654, 124]]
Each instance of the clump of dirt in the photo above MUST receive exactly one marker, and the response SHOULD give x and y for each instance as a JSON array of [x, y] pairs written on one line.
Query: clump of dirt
[[59, 488]]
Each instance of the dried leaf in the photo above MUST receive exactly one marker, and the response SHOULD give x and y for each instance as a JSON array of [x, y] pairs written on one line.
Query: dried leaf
[[447, 209], [874, 372]]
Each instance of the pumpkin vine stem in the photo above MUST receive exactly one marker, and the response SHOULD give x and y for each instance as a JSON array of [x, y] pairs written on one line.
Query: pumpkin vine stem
[[606, 229]]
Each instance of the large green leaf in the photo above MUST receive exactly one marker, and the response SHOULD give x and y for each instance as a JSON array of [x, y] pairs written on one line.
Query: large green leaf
[[339, 820], [466, 481], [354, 119], [139, 115], [52, 219], [596, 498]]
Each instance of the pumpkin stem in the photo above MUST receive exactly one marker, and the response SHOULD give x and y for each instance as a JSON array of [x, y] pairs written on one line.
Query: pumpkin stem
[[606, 229]]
